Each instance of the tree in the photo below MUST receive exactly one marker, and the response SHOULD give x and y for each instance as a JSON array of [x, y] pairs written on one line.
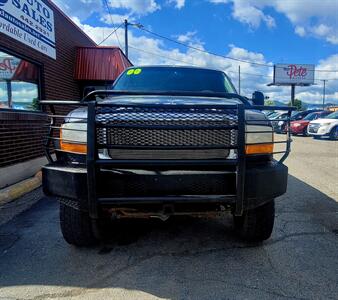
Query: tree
[[298, 104], [35, 104], [269, 102]]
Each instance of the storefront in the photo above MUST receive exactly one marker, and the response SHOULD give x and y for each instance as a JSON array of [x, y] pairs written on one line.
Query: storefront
[[43, 55]]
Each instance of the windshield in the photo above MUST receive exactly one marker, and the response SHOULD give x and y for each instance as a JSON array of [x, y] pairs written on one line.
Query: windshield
[[297, 116], [180, 79], [332, 116], [310, 117]]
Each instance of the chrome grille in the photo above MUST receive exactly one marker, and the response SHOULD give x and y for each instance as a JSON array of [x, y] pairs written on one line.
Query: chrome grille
[[314, 128]]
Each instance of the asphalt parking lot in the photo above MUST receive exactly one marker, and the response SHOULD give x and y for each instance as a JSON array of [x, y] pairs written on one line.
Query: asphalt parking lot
[[187, 258]]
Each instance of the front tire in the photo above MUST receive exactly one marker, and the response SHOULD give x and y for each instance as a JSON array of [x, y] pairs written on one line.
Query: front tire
[[256, 224], [76, 226], [334, 133]]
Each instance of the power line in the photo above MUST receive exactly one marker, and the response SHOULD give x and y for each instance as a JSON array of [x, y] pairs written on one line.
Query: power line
[[195, 48], [216, 54], [163, 56], [111, 20], [109, 35], [202, 50], [195, 65]]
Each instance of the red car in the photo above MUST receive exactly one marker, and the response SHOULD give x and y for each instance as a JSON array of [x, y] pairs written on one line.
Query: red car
[[300, 126]]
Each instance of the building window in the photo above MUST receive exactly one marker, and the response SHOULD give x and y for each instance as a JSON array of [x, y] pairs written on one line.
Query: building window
[[19, 83]]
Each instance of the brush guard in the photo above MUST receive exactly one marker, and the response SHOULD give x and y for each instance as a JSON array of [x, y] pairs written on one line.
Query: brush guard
[[95, 144]]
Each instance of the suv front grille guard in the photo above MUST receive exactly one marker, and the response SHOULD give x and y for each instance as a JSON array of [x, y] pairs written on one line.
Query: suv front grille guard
[[177, 127]]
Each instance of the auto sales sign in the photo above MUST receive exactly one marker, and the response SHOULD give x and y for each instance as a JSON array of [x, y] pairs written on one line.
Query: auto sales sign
[[30, 22], [288, 74]]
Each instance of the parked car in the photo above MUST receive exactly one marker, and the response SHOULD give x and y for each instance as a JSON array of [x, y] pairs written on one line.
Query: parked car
[[280, 127], [327, 126], [165, 141], [277, 119], [300, 126]]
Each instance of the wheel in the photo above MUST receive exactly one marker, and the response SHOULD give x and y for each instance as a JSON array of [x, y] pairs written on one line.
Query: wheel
[[334, 133], [76, 226], [305, 132], [317, 137], [256, 224]]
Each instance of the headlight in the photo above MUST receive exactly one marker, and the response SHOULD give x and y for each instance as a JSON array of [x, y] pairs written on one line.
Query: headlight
[[73, 137], [297, 124], [326, 124], [280, 123], [259, 139]]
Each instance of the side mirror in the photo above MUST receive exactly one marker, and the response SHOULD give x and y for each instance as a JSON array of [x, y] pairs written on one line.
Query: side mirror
[[258, 98]]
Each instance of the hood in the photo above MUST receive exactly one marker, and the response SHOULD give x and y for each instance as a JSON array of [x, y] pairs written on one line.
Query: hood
[[170, 100], [321, 121], [303, 122], [81, 112]]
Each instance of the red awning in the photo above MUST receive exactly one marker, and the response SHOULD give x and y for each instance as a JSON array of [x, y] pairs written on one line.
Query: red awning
[[100, 63]]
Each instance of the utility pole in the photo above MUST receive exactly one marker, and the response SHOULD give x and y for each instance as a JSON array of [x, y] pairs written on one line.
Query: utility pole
[[324, 83], [293, 86], [126, 37], [9, 93], [239, 79]]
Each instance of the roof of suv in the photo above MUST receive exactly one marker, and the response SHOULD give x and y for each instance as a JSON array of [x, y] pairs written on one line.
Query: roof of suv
[[175, 66]]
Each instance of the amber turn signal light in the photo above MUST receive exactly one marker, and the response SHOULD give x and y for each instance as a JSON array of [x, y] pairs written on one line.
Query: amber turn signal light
[[72, 147], [259, 149]]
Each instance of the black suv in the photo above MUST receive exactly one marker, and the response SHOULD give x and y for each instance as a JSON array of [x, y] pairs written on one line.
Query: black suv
[[164, 141]]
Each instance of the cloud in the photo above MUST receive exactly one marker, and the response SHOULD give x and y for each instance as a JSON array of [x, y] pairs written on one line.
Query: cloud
[[115, 19], [138, 7], [152, 51], [251, 15], [219, 1], [156, 51], [187, 37], [300, 30], [314, 18], [178, 3], [128, 9], [21, 92], [248, 12], [83, 8]]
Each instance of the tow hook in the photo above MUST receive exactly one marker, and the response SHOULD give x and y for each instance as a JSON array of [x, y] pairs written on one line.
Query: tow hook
[[168, 210]]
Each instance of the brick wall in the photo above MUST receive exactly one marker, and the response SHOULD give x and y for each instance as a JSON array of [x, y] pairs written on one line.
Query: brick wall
[[57, 83], [21, 136]]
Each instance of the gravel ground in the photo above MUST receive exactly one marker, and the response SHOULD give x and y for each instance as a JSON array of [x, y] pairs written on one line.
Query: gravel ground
[[187, 258]]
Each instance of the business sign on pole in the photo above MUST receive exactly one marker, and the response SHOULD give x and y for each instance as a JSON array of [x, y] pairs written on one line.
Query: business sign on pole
[[8, 66], [30, 22], [293, 74]]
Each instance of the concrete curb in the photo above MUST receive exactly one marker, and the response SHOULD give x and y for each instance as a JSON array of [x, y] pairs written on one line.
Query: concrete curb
[[19, 189]]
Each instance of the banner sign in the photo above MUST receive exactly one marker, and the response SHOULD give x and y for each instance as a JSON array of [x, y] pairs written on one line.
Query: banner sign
[[8, 66], [30, 22], [288, 74]]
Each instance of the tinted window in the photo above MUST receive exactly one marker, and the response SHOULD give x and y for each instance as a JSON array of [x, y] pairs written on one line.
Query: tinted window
[[332, 116], [297, 116], [174, 79], [311, 116]]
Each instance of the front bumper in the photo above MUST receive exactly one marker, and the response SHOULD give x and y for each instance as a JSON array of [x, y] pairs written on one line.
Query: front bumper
[[263, 182], [319, 130], [297, 129]]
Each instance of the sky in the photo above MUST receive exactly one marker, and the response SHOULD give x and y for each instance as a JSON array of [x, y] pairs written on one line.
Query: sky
[[262, 31]]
